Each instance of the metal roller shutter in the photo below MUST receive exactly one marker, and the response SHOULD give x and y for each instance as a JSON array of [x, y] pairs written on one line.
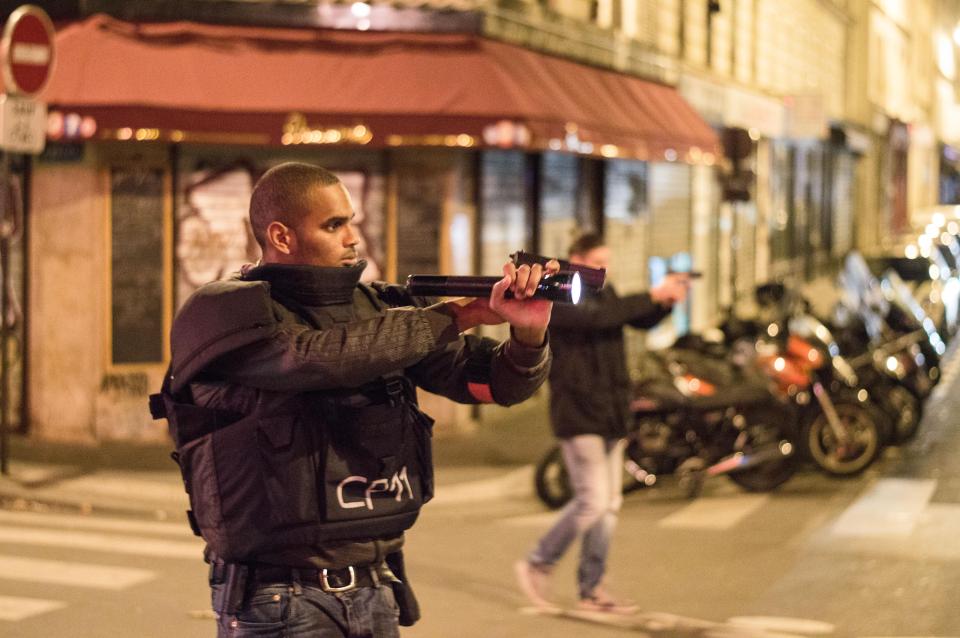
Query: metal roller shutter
[[670, 206], [746, 245], [843, 184]]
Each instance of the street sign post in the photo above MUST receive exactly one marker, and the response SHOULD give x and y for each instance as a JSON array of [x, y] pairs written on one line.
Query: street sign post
[[26, 61]]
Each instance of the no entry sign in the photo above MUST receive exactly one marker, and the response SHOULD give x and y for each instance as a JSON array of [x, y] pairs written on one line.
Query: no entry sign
[[26, 50]]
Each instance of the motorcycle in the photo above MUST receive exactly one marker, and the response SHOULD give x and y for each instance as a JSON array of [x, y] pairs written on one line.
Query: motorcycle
[[889, 315], [890, 341], [695, 417], [842, 428]]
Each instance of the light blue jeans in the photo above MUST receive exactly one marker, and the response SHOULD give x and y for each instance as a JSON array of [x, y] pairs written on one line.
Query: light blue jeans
[[595, 467]]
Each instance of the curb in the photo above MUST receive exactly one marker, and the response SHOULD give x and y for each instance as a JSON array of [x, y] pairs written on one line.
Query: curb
[[70, 488]]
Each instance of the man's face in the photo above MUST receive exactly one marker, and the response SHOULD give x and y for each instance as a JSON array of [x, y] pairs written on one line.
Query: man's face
[[326, 236], [598, 257]]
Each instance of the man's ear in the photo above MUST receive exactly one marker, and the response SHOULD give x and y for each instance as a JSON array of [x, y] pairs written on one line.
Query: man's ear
[[281, 238]]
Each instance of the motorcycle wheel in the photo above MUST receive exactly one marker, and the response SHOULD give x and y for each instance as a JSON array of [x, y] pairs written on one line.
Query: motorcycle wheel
[[822, 447], [906, 409], [763, 431], [552, 481]]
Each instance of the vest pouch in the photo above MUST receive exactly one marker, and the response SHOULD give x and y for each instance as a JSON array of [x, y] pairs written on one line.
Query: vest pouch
[[191, 428], [200, 480], [372, 463], [289, 469], [423, 432]]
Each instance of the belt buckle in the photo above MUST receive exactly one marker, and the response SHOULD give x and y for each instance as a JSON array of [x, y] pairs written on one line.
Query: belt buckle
[[394, 390], [325, 583]]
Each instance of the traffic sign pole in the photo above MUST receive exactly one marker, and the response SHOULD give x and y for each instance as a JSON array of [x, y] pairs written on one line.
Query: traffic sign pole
[[4, 319], [26, 59]]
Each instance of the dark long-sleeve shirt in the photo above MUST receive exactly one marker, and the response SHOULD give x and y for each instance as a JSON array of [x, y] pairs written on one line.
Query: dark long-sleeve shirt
[[589, 383]]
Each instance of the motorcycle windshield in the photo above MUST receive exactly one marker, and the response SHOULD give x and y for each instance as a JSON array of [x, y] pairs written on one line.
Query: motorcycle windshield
[[861, 294], [812, 329], [898, 294]]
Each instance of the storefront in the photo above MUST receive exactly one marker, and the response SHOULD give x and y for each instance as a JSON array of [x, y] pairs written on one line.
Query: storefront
[[741, 250], [457, 152]]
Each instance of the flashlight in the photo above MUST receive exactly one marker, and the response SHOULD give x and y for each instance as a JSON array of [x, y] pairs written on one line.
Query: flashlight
[[563, 287]]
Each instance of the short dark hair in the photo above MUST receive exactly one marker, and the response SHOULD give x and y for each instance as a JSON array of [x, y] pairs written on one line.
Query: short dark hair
[[585, 243], [281, 194]]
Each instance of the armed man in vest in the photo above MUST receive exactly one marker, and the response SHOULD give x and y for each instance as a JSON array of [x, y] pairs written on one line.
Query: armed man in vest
[[291, 398]]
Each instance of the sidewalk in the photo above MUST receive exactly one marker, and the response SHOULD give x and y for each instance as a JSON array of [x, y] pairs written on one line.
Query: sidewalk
[[142, 480]]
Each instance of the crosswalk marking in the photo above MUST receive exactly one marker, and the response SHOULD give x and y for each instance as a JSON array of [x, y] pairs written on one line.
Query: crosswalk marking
[[57, 572], [715, 513], [82, 535], [508, 485], [891, 508], [73, 521], [802, 626], [116, 544], [541, 519], [17, 608]]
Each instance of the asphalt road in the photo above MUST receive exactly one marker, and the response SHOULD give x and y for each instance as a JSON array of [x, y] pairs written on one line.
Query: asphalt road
[[872, 556]]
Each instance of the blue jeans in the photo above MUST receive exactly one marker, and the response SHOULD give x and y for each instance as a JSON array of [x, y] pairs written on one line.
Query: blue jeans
[[295, 610], [595, 467]]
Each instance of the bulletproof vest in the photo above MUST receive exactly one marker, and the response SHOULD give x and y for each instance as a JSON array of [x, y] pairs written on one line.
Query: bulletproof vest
[[351, 464]]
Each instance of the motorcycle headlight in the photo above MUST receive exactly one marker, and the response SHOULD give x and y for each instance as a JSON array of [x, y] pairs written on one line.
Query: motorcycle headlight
[[895, 367]]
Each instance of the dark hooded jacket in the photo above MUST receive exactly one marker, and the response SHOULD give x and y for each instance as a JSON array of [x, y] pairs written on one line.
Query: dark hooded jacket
[[589, 384]]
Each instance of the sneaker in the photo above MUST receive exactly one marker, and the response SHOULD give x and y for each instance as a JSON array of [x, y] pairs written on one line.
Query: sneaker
[[601, 601], [534, 582]]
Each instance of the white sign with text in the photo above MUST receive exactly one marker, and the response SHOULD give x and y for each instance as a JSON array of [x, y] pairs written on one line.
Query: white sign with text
[[23, 124]]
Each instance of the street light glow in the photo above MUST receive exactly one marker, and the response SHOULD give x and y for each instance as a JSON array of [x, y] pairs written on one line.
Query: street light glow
[[360, 10]]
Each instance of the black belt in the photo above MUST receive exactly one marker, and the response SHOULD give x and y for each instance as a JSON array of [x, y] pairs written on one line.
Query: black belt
[[329, 580]]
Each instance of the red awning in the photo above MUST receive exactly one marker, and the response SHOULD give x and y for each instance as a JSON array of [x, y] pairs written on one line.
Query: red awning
[[185, 80]]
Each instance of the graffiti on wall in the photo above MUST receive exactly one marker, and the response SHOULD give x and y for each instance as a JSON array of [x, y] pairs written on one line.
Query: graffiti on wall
[[214, 237], [213, 234], [132, 384]]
